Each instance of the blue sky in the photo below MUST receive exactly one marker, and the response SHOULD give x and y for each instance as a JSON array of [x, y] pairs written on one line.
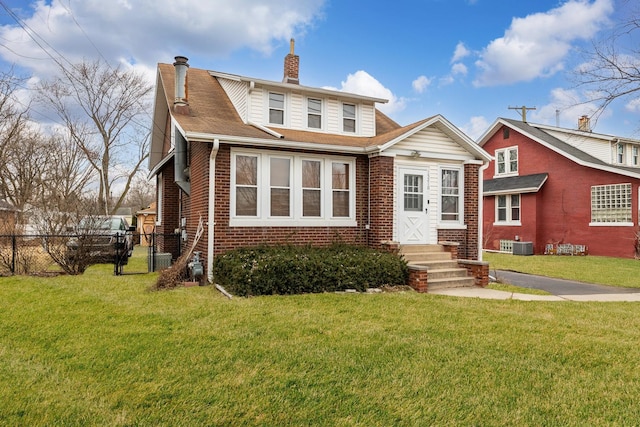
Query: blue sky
[[468, 60]]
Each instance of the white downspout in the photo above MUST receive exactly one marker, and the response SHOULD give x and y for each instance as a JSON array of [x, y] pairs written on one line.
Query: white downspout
[[212, 207], [481, 208]]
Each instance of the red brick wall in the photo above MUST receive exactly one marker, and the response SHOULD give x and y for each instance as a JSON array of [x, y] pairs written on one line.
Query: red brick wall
[[381, 176], [561, 211], [467, 239]]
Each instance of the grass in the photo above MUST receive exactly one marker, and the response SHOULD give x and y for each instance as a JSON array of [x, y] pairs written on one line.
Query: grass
[[590, 269], [102, 350], [511, 288]]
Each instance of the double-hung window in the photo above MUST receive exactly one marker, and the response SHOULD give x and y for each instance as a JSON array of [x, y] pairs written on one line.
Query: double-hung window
[[349, 118], [619, 153], [635, 154], [508, 209], [283, 189], [314, 113], [276, 108], [451, 196], [611, 204], [507, 161]]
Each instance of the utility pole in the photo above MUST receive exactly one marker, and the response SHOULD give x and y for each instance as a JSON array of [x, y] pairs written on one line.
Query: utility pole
[[523, 111]]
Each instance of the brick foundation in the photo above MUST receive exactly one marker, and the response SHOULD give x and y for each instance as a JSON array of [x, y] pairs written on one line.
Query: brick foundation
[[479, 270]]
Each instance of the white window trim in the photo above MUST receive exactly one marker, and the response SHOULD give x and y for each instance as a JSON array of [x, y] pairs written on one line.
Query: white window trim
[[612, 224], [507, 163], [451, 224], [322, 113], [509, 222], [285, 108], [296, 219], [356, 118]]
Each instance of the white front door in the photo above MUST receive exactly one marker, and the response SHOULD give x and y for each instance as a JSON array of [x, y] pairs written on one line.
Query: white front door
[[413, 206]]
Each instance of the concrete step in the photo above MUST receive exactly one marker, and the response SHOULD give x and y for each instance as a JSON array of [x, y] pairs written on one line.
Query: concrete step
[[450, 282], [436, 264], [428, 256], [411, 249], [446, 273]]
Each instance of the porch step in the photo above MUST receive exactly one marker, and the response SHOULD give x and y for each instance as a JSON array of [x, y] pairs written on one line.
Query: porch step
[[443, 272], [451, 282]]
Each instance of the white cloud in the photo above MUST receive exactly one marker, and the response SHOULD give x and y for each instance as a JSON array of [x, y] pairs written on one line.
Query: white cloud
[[633, 105], [421, 84], [362, 83], [565, 106], [476, 126], [460, 52], [535, 46], [154, 30], [459, 68]]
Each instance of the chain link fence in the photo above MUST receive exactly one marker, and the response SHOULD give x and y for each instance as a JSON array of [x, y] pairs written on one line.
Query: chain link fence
[[22, 254]]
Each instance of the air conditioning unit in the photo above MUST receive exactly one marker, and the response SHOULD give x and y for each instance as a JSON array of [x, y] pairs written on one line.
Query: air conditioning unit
[[162, 261], [523, 248]]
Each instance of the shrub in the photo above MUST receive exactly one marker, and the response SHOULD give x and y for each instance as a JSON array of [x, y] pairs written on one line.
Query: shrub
[[282, 270]]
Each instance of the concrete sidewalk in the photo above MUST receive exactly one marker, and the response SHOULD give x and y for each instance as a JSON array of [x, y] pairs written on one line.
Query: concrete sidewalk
[[485, 293]]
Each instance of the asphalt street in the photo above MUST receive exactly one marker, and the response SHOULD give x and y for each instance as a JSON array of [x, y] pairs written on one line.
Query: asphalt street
[[558, 286]]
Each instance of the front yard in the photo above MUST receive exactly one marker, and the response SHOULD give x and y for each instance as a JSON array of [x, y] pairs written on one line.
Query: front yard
[[101, 350]]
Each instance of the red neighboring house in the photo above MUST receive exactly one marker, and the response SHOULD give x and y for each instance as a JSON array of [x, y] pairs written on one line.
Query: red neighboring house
[[265, 162], [556, 186]]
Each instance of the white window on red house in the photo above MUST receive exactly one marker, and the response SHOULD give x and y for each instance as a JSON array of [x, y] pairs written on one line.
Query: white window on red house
[[451, 196], [311, 188], [276, 108], [611, 204], [340, 188], [348, 118], [246, 188], [507, 161], [270, 188], [280, 186], [508, 209]]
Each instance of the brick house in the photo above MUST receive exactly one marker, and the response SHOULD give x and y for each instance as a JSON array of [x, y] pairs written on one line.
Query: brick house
[[8, 217], [276, 162], [560, 188]]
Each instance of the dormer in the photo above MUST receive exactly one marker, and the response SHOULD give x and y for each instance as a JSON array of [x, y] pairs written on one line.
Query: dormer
[[289, 105]]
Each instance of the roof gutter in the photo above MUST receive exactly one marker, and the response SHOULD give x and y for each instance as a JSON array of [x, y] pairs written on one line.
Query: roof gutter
[[212, 208]]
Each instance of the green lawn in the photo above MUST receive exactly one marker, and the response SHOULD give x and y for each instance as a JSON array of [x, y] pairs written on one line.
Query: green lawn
[[591, 269], [102, 350]]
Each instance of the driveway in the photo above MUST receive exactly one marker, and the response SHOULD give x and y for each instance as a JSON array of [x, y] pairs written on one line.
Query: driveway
[[561, 290], [558, 286]]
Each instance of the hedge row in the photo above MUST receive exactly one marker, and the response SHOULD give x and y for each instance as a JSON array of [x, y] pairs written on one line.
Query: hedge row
[[285, 270]]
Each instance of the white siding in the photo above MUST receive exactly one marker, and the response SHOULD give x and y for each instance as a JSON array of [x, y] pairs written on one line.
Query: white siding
[[237, 93], [333, 116], [598, 148], [432, 143], [367, 120], [297, 111], [257, 113]]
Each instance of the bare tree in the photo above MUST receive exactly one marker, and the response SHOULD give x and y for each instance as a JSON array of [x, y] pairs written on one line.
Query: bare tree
[[612, 67], [13, 122], [105, 111], [141, 194]]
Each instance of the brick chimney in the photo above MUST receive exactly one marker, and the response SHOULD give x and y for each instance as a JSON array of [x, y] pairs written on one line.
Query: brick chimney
[[584, 124], [181, 101], [291, 66]]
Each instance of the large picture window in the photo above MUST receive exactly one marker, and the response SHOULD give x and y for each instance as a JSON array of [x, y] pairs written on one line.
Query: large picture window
[[304, 190], [611, 204], [507, 161]]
